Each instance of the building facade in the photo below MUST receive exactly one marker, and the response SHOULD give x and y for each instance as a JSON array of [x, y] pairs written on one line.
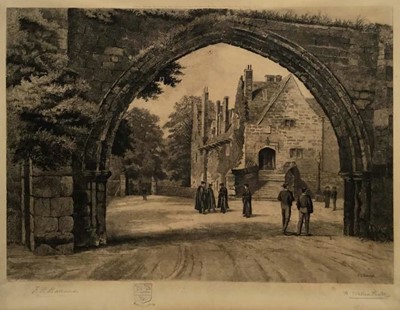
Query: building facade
[[273, 134]]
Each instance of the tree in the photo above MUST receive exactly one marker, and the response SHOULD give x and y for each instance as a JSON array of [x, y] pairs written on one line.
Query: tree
[[179, 140], [45, 98], [142, 150], [168, 76]]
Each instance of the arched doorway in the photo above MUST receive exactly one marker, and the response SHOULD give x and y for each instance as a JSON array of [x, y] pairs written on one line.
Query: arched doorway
[[294, 181], [355, 154], [266, 159]]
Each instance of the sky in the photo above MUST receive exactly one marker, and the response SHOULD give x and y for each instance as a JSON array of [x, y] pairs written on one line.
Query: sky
[[217, 67], [220, 66]]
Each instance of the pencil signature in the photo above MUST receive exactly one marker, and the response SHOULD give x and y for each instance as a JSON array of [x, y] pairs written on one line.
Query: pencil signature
[[366, 294], [53, 291]]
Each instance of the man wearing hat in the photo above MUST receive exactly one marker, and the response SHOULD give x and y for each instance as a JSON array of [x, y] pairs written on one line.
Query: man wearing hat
[[305, 207], [286, 198], [201, 198]]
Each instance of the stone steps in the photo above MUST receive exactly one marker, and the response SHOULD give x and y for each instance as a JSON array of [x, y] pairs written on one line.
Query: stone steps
[[270, 185]]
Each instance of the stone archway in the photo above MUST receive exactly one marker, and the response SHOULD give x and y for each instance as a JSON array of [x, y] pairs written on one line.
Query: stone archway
[[354, 146]]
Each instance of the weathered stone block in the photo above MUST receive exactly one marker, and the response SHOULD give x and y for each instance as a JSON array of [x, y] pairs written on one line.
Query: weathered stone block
[[65, 224], [65, 248], [108, 65], [114, 51], [46, 187], [62, 206], [381, 118], [54, 238], [45, 224], [42, 206], [67, 186], [45, 249]]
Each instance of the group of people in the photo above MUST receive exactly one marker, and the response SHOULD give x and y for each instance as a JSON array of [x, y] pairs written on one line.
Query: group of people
[[205, 203], [205, 199], [304, 205], [330, 195]]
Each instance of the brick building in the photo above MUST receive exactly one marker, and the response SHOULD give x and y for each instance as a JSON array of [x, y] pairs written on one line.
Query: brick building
[[271, 135]]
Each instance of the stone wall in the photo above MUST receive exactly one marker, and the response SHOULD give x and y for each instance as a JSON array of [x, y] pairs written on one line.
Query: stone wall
[[359, 64], [219, 159], [51, 207], [14, 212], [305, 133], [188, 192]]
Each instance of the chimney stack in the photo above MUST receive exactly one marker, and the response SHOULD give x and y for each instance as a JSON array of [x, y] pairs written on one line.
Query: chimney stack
[[248, 83], [204, 106], [225, 115], [217, 117]]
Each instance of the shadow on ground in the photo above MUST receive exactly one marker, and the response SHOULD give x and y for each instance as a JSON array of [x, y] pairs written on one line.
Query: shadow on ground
[[218, 232]]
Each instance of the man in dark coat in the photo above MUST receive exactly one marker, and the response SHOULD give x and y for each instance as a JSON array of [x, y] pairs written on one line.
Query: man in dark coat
[[246, 199], [334, 197], [210, 198], [305, 207], [201, 198], [327, 196], [222, 198], [286, 198]]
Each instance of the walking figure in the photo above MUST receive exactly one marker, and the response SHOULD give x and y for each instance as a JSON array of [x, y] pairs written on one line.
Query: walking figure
[[305, 207], [246, 199], [334, 197], [286, 198], [222, 198], [201, 198], [210, 198], [144, 193], [327, 196]]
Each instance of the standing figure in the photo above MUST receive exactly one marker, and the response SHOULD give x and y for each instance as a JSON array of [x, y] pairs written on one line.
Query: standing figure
[[144, 193], [201, 198], [334, 197], [211, 198], [222, 198], [305, 207], [246, 199], [327, 196], [286, 198]]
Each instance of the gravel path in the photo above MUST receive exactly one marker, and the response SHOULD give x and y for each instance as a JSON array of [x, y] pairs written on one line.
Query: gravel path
[[163, 238]]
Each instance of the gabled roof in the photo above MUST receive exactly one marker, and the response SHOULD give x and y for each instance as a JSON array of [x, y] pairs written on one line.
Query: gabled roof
[[274, 98]]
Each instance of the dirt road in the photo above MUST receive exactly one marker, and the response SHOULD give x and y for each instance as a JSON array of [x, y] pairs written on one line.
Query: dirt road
[[165, 239]]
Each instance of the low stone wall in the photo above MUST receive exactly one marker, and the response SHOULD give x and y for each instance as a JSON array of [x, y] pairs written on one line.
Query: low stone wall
[[246, 177], [14, 214], [188, 192], [51, 212]]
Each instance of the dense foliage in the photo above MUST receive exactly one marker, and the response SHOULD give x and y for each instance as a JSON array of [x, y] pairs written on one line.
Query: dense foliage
[[139, 141], [179, 140], [48, 113], [168, 76]]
